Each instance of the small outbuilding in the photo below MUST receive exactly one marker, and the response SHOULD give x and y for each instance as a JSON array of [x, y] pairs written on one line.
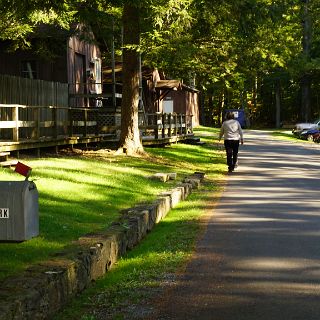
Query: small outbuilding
[[170, 96]]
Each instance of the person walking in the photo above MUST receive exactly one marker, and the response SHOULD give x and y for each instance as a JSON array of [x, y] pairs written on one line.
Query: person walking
[[233, 136]]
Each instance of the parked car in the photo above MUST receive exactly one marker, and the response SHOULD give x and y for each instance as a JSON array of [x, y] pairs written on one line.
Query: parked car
[[299, 127], [309, 134]]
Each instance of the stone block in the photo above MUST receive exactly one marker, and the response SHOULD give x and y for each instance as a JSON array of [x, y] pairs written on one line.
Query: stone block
[[162, 207], [118, 240], [187, 187], [152, 216], [193, 181], [132, 232], [163, 177], [100, 253], [143, 221], [40, 291], [172, 176], [175, 195], [199, 175]]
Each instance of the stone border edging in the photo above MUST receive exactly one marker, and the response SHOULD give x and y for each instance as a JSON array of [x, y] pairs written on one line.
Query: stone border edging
[[43, 289]]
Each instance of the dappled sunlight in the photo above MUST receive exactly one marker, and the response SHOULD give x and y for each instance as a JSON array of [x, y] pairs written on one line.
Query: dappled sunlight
[[257, 219], [279, 264], [285, 289], [85, 193], [260, 257], [275, 218]]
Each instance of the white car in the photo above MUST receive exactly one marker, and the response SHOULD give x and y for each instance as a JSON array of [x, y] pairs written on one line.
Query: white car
[[299, 127]]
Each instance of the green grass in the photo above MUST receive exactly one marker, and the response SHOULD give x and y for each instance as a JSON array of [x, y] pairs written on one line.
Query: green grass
[[82, 194], [137, 277], [285, 135]]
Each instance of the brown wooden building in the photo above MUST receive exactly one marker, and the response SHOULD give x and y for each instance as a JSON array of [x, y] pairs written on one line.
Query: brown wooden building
[[74, 61], [170, 96], [161, 95], [64, 100]]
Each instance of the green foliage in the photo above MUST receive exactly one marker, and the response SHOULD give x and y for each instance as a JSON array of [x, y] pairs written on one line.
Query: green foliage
[[224, 45], [138, 276], [79, 195], [20, 19]]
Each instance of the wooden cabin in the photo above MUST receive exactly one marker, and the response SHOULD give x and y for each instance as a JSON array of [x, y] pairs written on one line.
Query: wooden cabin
[[64, 100], [73, 60], [170, 96], [161, 95]]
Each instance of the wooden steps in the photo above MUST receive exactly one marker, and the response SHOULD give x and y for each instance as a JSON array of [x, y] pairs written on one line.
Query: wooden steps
[[8, 163], [4, 160], [4, 156]]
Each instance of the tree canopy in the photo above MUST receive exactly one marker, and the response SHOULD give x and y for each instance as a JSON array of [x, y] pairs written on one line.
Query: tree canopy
[[262, 55]]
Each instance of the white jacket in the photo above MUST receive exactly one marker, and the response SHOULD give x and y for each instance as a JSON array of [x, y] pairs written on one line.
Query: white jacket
[[231, 130]]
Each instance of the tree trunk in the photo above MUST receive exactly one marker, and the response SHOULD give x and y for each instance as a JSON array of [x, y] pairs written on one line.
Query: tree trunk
[[210, 109], [305, 97], [130, 142], [255, 92], [221, 105], [306, 81], [278, 102]]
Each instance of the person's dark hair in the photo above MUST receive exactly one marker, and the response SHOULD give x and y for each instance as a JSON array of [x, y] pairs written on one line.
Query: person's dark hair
[[229, 115]]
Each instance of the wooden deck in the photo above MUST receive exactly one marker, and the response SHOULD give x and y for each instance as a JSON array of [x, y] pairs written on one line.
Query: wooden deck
[[23, 127]]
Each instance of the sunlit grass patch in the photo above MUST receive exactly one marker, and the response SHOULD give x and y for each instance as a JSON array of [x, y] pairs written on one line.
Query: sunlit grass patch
[[284, 134], [82, 194], [138, 276]]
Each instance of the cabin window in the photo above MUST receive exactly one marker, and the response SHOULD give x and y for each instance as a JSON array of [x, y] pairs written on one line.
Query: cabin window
[[29, 69], [167, 106]]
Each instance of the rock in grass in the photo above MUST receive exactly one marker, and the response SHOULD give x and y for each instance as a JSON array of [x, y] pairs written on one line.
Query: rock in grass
[[163, 177], [172, 176]]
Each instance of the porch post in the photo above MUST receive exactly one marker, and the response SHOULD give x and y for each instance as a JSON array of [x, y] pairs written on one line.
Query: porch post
[[180, 124], [175, 124], [36, 118], [156, 126], [85, 122], [163, 120], [15, 117], [70, 122], [170, 125], [55, 122]]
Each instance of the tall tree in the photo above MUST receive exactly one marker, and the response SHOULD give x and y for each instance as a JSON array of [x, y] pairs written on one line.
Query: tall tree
[[226, 44], [140, 17], [130, 141], [306, 46]]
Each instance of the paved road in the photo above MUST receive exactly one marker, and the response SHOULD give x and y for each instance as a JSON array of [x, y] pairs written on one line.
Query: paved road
[[260, 256]]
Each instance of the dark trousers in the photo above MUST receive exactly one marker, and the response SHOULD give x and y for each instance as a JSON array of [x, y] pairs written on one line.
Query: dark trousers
[[232, 148]]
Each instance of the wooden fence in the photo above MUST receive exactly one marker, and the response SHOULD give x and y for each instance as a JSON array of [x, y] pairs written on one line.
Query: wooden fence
[[32, 92], [52, 123]]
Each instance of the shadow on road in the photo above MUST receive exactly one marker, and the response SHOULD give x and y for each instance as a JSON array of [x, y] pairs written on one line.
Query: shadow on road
[[260, 256]]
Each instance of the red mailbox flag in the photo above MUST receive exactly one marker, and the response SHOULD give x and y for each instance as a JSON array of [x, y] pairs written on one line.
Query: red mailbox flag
[[23, 169]]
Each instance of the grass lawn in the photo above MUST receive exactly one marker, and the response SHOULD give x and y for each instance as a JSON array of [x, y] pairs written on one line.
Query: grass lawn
[[285, 135], [84, 193], [288, 135], [134, 283]]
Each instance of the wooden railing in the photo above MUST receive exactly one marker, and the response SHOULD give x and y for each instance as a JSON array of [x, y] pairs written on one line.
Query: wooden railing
[[19, 123], [165, 125]]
